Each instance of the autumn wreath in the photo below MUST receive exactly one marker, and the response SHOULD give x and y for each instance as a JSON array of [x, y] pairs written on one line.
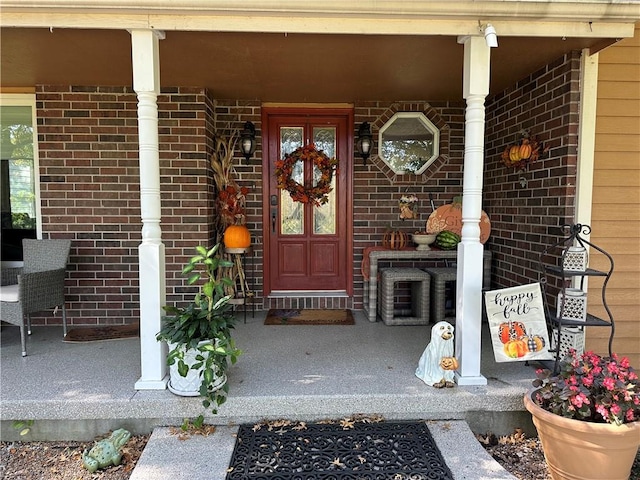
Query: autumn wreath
[[317, 194]]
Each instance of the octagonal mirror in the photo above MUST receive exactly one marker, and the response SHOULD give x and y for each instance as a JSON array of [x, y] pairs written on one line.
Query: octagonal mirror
[[409, 142]]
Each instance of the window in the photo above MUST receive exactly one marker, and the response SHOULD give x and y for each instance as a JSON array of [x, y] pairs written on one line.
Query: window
[[18, 179], [409, 143]]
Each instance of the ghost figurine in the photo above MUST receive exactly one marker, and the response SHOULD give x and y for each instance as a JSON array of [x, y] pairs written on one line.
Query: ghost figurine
[[437, 363]]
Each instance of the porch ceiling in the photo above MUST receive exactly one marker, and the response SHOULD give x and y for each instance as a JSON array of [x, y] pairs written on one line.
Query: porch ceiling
[[274, 67]]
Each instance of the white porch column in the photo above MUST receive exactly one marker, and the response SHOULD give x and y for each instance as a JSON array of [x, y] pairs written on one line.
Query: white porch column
[[470, 250], [146, 83]]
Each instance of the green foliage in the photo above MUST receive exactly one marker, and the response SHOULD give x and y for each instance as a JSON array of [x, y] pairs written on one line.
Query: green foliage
[[209, 317], [188, 424], [23, 426], [22, 220]]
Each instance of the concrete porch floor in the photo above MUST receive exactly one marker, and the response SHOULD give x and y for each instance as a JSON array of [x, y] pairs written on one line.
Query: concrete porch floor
[[80, 390]]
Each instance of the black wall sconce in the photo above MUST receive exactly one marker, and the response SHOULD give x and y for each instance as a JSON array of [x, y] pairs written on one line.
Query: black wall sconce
[[248, 140], [365, 141]]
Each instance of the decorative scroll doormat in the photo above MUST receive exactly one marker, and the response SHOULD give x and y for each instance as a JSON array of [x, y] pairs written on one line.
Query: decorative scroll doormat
[[309, 316], [347, 449], [106, 332]]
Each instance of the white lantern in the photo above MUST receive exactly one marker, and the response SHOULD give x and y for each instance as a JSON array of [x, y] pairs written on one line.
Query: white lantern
[[575, 259], [572, 305]]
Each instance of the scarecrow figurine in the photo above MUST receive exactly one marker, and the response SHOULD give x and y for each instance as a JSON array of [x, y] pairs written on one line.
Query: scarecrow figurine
[[408, 207]]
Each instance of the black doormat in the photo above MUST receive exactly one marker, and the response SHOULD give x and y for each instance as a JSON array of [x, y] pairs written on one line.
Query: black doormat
[[346, 449]]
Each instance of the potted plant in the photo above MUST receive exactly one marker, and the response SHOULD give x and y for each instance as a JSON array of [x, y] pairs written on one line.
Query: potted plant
[[587, 416], [199, 335]]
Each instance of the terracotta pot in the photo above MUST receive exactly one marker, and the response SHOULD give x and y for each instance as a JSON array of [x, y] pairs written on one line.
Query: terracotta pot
[[577, 450]]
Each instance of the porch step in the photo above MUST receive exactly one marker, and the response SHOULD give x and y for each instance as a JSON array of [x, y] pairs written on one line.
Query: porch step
[[329, 299], [200, 457]]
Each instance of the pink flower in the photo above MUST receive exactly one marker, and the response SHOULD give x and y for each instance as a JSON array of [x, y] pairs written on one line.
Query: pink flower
[[579, 400], [602, 410], [587, 381], [615, 409], [611, 386], [609, 383]]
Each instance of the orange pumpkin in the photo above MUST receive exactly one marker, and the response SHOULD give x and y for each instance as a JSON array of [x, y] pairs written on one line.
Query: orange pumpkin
[[237, 236], [449, 363], [515, 348], [394, 239]]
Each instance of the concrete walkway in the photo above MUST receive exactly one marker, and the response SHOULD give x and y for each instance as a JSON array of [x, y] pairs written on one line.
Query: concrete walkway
[[207, 458], [77, 391]]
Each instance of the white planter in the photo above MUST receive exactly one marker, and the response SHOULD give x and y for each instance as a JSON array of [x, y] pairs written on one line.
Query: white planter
[[189, 386]]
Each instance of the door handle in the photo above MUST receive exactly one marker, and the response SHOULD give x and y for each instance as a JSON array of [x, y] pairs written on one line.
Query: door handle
[[274, 214]]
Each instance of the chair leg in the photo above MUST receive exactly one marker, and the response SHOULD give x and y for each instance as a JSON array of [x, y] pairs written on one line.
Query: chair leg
[[28, 324], [23, 340], [64, 321]]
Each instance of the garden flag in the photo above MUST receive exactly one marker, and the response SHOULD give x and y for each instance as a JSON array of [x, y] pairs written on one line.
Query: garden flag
[[517, 324]]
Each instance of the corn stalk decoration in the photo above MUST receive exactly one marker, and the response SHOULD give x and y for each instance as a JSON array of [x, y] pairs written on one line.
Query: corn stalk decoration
[[223, 177]]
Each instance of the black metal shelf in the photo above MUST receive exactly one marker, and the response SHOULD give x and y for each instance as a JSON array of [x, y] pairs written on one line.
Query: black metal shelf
[[589, 272], [557, 251], [591, 321]]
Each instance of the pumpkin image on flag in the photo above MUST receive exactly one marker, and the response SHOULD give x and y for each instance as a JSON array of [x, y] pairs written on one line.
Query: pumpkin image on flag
[[517, 324], [535, 343], [511, 331], [515, 348]]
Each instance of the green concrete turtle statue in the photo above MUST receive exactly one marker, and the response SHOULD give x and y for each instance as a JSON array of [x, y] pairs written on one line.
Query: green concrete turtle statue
[[106, 452]]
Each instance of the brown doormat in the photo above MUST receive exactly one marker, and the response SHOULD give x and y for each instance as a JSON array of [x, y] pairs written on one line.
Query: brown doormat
[[309, 316], [106, 332]]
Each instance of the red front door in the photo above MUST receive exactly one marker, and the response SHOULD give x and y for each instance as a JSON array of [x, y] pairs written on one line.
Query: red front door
[[307, 248]]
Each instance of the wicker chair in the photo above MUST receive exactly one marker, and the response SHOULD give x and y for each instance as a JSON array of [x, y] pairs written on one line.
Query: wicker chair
[[35, 287]]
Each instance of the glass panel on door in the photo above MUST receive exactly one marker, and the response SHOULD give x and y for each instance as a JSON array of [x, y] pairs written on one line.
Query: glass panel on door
[[291, 213], [324, 216]]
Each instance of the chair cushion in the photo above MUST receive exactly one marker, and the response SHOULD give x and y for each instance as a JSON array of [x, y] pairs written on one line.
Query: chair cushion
[[9, 293]]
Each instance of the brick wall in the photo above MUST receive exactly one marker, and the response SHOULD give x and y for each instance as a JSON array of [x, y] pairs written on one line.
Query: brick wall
[[88, 149], [90, 191], [378, 190], [525, 218]]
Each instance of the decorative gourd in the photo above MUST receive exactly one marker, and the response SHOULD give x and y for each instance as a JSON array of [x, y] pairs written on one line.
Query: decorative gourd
[[394, 239], [237, 236], [511, 331]]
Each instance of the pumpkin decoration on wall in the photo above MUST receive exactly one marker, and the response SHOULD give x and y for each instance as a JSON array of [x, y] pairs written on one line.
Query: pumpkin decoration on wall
[[524, 152]]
